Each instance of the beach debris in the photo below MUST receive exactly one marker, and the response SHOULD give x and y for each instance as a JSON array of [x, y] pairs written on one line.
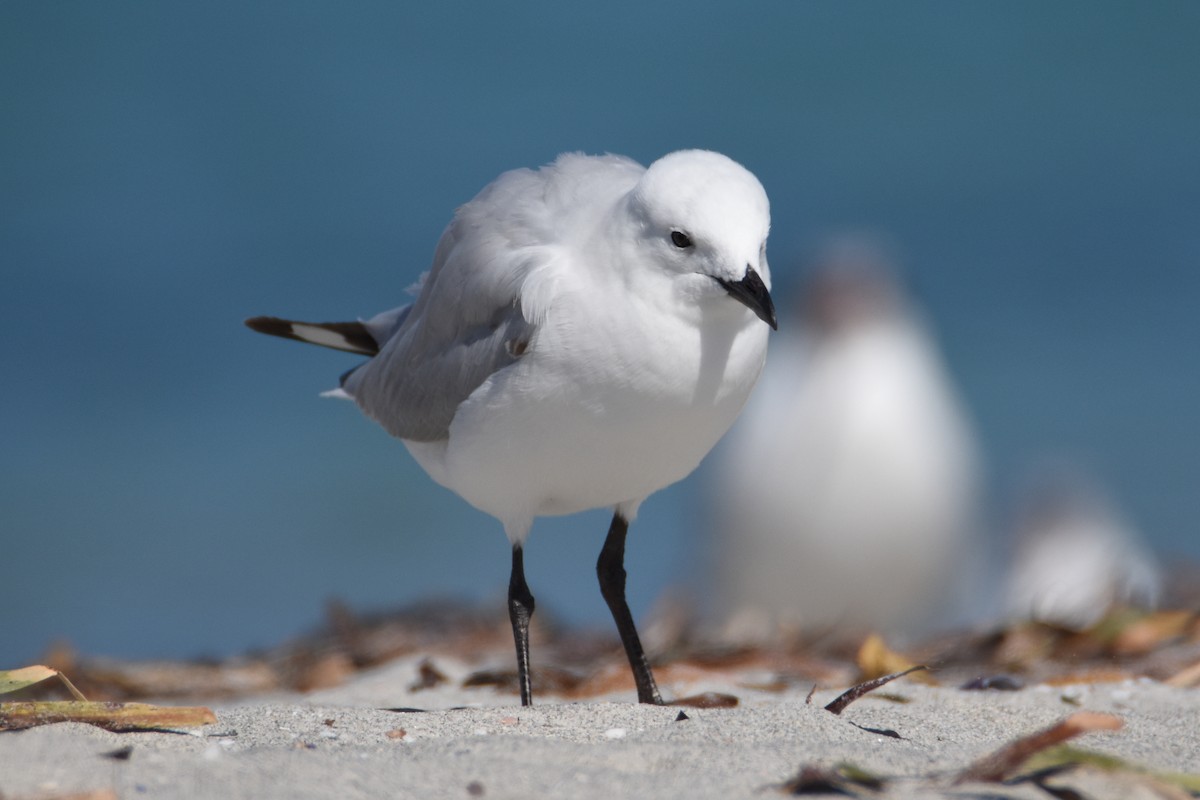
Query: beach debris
[[995, 683], [328, 671], [118, 717], [875, 659], [1090, 677], [1123, 633], [14, 680], [475, 789], [1135, 633], [428, 676], [113, 679], [839, 703], [590, 666], [1004, 763], [682, 717], [120, 754], [1187, 678], [395, 734], [1062, 758], [842, 779], [111, 716], [548, 679]]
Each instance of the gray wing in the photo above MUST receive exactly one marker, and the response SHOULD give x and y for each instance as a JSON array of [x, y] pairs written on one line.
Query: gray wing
[[414, 386], [467, 322]]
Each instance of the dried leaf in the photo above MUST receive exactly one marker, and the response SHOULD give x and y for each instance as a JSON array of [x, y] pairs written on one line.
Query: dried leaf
[[854, 692], [1151, 631], [875, 659], [1186, 678], [328, 671], [551, 680], [997, 766], [1064, 755], [428, 676], [1090, 677], [110, 716], [706, 700], [16, 679], [1024, 645]]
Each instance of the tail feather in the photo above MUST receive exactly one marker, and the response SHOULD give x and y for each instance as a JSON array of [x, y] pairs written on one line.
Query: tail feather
[[353, 337]]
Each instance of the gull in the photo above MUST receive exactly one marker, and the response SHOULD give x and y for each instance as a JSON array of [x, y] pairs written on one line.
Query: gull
[[847, 492], [585, 334], [1076, 556]]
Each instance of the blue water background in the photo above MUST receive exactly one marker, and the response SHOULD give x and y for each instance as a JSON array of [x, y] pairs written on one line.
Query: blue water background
[[171, 484]]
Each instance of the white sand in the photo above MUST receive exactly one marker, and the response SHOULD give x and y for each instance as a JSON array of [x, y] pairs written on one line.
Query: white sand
[[282, 747]]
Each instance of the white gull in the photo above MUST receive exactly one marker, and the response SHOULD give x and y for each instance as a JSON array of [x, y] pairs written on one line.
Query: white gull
[[574, 345], [847, 494]]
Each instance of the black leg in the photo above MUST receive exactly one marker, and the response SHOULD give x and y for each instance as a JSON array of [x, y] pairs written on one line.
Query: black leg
[[610, 569], [520, 609]]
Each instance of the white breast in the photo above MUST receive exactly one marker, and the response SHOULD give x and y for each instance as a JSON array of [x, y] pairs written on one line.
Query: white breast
[[598, 418]]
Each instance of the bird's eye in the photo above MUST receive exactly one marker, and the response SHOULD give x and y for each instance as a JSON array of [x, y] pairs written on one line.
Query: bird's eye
[[681, 239]]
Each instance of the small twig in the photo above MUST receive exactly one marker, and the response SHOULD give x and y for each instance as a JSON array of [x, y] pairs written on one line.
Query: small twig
[[854, 692]]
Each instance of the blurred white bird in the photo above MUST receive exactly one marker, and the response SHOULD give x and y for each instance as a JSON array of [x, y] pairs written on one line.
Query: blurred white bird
[[1076, 557], [847, 495]]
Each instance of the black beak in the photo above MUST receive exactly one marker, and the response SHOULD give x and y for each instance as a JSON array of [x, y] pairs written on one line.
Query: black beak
[[751, 292]]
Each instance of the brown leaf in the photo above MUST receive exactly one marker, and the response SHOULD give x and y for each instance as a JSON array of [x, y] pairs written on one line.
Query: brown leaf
[[110, 716], [332, 669], [1186, 678], [706, 700], [428, 676], [1090, 676], [875, 659], [1150, 632], [550, 680], [997, 766]]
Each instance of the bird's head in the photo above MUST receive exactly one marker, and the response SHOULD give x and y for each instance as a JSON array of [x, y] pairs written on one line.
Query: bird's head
[[703, 217]]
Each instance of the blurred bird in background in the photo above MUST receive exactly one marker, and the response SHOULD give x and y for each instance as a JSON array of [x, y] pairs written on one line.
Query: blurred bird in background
[[848, 495], [1075, 556]]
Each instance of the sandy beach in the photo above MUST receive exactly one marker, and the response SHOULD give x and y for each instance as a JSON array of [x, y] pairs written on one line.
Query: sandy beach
[[379, 735]]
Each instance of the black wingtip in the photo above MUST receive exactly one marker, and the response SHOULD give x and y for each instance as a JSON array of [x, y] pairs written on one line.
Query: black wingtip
[[350, 337], [272, 326]]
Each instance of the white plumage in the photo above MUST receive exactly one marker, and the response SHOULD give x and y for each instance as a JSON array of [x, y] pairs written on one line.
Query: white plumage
[[585, 334], [847, 493], [1077, 557]]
